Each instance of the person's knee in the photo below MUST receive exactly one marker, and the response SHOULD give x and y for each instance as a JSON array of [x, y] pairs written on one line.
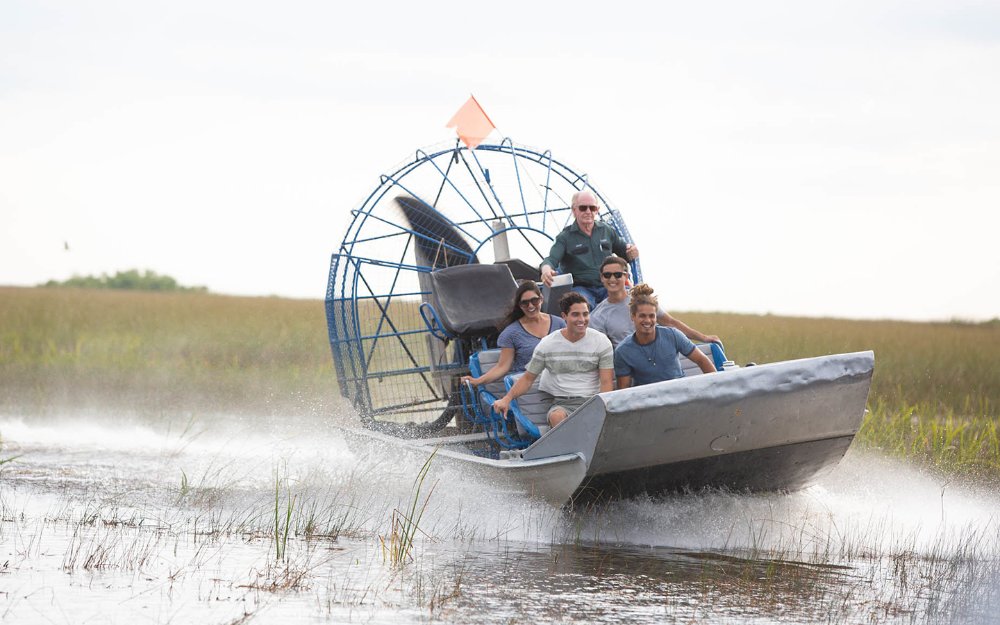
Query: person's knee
[[599, 293], [593, 294], [556, 416]]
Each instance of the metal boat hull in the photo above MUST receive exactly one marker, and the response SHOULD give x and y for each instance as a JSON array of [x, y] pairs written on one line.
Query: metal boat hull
[[785, 467], [769, 427]]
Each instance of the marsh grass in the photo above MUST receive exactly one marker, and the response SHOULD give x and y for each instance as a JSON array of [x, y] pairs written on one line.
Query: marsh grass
[[397, 548], [112, 547], [865, 572], [282, 525], [935, 395], [178, 352], [955, 443], [853, 573], [113, 540], [7, 459], [285, 574]]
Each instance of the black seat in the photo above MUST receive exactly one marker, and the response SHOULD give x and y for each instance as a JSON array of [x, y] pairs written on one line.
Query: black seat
[[521, 270], [470, 300]]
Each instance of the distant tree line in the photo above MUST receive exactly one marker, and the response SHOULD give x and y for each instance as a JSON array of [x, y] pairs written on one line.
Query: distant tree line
[[132, 280]]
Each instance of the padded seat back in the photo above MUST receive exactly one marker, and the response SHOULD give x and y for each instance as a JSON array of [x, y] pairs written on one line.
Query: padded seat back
[[470, 300], [533, 406], [480, 363], [522, 270], [495, 426]]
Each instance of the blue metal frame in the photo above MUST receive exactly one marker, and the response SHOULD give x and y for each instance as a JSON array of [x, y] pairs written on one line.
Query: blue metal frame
[[492, 422], [718, 356], [529, 426], [433, 324], [367, 317]]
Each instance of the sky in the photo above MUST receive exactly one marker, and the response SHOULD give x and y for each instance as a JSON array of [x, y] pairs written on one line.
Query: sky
[[799, 158]]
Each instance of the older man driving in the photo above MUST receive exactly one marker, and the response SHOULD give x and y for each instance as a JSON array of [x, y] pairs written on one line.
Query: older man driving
[[582, 245]]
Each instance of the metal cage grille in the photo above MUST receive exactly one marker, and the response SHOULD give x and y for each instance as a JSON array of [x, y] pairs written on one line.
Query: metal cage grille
[[440, 209]]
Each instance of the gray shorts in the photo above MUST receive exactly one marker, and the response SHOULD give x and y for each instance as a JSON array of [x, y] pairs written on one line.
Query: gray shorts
[[569, 404]]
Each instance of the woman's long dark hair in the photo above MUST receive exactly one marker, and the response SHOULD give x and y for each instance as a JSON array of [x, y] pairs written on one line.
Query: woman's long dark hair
[[517, 312]]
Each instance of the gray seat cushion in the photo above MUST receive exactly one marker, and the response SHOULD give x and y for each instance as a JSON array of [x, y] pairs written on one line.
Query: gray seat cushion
[[471, 300]]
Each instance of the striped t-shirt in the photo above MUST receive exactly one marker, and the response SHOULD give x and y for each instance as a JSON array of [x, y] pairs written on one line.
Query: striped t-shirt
[[572, 369]]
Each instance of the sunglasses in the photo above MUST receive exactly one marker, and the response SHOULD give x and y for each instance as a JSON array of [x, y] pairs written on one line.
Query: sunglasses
[[617, 275], [588, 207], [530, 302]]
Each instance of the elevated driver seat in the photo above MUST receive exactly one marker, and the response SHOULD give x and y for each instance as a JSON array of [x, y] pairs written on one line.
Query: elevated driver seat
[[470, 300]]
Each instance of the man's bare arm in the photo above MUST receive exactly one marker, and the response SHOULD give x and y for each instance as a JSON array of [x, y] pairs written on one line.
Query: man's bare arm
[[672, 322], [607, 380], [699, 358]]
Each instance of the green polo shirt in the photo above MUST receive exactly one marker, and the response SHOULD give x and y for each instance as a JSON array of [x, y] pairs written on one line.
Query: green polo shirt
[[576, 253]]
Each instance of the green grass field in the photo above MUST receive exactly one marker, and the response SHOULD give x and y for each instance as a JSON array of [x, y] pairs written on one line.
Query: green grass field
[[935, 395], [162, 352]]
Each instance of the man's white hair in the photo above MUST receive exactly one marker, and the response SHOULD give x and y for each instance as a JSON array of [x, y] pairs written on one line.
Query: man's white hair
[[576, 196]]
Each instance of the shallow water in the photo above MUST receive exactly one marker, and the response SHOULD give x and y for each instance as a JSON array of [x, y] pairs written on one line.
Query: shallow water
[[128, 520]]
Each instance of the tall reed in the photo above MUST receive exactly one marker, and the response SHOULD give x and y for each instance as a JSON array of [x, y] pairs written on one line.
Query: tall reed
[[403, 527], [282, 526]]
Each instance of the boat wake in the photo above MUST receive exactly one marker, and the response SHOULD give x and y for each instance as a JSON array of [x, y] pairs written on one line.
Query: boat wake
[[874, 531], [867, 505]]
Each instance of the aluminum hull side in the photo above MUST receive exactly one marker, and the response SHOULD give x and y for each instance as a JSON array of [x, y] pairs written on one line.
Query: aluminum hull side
[[770, 427], [714, 420], [786, 467]]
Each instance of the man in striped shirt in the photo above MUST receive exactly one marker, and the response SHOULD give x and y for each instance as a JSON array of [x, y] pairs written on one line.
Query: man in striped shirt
[[574, 363]]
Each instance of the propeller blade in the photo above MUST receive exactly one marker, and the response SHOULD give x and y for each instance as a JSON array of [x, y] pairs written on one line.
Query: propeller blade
[[440, 244]]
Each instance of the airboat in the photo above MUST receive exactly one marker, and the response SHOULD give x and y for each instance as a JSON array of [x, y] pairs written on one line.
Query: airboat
[[427, 269]]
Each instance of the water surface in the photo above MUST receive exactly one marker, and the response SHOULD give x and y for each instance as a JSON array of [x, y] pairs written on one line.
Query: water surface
[[133, 520]]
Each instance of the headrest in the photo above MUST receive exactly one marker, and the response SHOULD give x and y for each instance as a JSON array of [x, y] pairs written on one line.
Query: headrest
[[472, 299]]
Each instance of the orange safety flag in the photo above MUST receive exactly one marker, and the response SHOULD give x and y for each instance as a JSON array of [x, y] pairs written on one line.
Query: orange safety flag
[[471, 123]]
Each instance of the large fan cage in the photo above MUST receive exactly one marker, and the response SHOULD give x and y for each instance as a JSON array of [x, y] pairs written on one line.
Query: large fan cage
[[392, 362]]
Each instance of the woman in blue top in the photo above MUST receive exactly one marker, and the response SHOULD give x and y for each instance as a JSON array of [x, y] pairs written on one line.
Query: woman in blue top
[[523, 327]]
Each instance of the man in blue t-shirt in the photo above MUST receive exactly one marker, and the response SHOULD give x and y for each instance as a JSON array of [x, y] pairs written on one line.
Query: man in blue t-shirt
[[652, 353]]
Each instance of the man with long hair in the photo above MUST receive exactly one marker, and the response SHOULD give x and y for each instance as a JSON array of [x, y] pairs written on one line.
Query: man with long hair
[[651, 354]]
